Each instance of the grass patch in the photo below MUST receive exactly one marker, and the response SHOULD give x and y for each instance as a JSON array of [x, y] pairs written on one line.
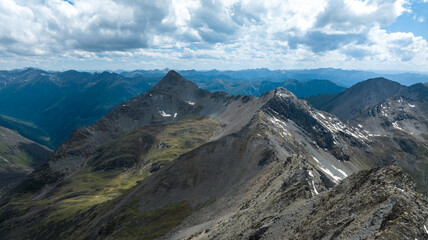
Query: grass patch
[[153, 224]]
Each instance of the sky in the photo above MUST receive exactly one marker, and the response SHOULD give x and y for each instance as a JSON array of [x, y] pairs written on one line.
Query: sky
[[214, 34]]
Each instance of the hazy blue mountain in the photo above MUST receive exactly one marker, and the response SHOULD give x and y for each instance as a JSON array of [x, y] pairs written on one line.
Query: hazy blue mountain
[[255, 88], [252, 82], [350, 77], [59, 102], [26, 129], [341, 77]]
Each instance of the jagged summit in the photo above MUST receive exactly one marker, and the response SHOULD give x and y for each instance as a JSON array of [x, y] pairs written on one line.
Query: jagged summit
[[284, 93]]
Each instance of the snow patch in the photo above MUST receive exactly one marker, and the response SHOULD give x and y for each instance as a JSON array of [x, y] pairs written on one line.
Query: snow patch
[[280, 124], [321, 115], [284, 94], [336, 179], [336, 125], [395, 125], [411, 105], [359, 125], [175, 115], [310, 173], [164, 114], [191, 103], [341, 171], [315, 190], [425, 228]]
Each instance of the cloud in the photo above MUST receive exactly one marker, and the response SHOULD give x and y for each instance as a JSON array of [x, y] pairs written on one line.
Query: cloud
[[321, 42], [268, 33], [356, 16]]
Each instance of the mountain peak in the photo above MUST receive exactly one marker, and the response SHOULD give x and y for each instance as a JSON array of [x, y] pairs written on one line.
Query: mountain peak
[[172, 78], [378, 81], [284, 93], [172, 73], [174, 84]]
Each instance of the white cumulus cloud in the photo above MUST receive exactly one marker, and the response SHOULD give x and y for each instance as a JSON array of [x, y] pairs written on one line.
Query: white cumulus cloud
[[272, 33]]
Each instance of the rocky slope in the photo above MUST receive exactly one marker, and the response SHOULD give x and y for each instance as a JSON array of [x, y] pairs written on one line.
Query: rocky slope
[[180, 162], [365, 95], [403, 122], [18, 157], [394, 114]]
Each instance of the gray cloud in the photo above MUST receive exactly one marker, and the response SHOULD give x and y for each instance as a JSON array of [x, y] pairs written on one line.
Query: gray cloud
[[213, 23], [322, 42], [357, 53]]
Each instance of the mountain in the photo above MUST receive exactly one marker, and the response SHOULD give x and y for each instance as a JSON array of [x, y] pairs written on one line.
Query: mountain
[[364, 95], [256, 88], [182, 162], [390, 111], [58, 102], [405, 121], [348, 78], [340, 77], [18, 157], [27, 129], [47, 106]]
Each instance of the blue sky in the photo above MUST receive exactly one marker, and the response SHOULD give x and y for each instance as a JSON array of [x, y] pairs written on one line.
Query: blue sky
[[221, 34], [415, 21]]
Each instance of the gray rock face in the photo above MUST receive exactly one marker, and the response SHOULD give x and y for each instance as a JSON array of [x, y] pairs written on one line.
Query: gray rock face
[[403, 123]]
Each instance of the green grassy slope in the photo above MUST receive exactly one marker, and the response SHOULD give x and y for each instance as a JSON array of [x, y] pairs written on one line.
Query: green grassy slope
[[116, 168]]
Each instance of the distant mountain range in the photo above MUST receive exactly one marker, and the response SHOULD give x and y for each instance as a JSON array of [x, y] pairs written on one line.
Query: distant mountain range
[[47, 106], [256, 88], [57, 103], [345, 78], [181, 162]]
